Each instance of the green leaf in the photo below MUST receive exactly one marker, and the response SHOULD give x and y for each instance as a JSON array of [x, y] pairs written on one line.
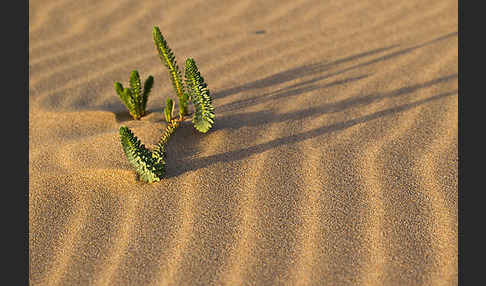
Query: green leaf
[[203, 118], [169, 110], [134, 99], [183, 103], [147, 87], [136, 89], [135, 84], [150, 166], [128, 99], [119, 88], [124, 94], [167, 57]]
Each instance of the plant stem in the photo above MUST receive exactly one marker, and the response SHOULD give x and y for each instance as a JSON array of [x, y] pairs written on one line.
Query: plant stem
[[169, 130]]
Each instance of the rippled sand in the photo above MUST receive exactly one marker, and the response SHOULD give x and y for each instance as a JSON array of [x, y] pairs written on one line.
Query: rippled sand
[[333, 159]]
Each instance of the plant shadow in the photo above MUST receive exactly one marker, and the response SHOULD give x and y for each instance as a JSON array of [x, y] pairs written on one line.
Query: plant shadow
[[261, 119], [309, 69], [243, 153], [184, 148]]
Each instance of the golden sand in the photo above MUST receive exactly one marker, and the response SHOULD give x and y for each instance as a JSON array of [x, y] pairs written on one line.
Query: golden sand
[[333, 158]]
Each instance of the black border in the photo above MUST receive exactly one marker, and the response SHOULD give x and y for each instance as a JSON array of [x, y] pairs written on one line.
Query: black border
[[23, 67], [15, 142], [16, 26]]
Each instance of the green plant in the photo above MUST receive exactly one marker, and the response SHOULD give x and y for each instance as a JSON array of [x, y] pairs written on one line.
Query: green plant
[[168, 59], [199, 94], [150, 165], [134, 98]]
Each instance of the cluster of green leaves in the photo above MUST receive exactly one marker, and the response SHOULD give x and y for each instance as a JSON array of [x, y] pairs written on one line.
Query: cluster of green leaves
[[134, 98], [195, 90], [199, 94], [150, 165]]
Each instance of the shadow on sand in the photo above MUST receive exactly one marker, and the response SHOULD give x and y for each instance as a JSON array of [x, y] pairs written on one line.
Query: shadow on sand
[[184, 160]]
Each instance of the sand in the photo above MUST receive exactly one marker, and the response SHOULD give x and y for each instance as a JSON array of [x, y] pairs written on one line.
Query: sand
[[333, 159]]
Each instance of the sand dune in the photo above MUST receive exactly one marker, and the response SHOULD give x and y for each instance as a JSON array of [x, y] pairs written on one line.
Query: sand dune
[[333, 159]]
